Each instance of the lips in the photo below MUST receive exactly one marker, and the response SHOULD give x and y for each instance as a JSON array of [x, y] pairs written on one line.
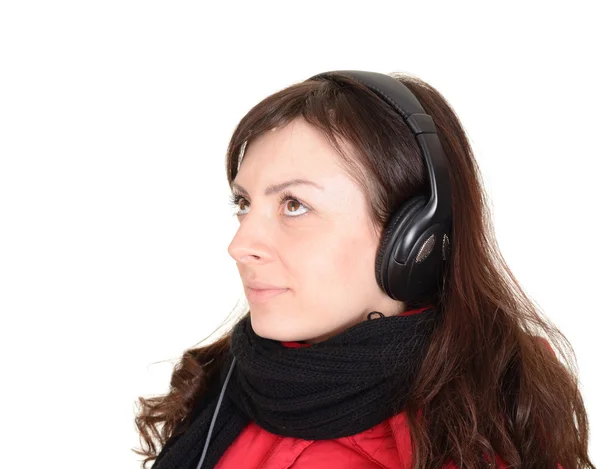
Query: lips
[[258, 285], [262, 295]]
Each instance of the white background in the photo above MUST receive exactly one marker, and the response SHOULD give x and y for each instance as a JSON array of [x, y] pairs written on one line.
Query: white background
[[114, 222]]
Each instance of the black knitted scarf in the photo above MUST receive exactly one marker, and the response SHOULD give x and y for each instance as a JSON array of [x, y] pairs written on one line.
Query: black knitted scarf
[[338, 387]]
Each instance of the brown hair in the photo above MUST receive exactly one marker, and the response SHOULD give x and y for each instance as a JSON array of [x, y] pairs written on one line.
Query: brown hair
[[499, 378]]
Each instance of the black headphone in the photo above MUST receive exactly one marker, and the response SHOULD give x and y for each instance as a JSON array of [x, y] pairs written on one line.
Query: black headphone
[[415, 242]]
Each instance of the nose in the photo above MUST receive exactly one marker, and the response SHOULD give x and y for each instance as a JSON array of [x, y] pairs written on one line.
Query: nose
[[251, 243]]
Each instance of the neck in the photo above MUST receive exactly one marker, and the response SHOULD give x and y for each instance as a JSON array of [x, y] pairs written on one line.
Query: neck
[[299, 343]]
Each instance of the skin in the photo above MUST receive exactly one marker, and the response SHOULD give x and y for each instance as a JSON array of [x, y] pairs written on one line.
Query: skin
[[321, 246]]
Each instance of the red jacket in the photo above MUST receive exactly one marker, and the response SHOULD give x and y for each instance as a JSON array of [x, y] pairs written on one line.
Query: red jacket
[[385, 445]]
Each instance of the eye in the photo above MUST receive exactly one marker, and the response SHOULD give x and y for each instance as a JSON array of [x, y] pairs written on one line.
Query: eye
[[234, 201], [287, 197]]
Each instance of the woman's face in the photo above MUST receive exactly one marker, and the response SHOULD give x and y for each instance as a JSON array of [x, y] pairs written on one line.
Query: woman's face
[[317, 243]]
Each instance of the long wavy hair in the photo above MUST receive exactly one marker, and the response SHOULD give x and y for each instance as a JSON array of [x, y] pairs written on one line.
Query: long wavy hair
[[498, 378]]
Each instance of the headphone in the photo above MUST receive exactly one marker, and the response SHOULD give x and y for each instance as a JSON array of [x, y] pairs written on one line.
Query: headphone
[[415, 242]]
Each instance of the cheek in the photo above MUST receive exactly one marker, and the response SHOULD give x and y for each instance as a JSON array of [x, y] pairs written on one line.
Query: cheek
[[338, 262]]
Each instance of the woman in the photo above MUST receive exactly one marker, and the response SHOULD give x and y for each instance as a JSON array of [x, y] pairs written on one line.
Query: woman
[[384, 328]]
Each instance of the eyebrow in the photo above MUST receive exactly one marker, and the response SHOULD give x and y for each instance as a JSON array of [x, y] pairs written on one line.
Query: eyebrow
[[274, 188]]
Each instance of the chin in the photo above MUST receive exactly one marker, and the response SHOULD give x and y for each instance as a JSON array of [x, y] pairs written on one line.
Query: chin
[[274, 330]]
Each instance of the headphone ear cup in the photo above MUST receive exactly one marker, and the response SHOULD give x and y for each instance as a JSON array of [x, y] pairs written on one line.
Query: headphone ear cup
[[395, 229]]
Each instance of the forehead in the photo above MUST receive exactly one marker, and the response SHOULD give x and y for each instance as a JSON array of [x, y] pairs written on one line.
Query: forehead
[[296, 150]]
